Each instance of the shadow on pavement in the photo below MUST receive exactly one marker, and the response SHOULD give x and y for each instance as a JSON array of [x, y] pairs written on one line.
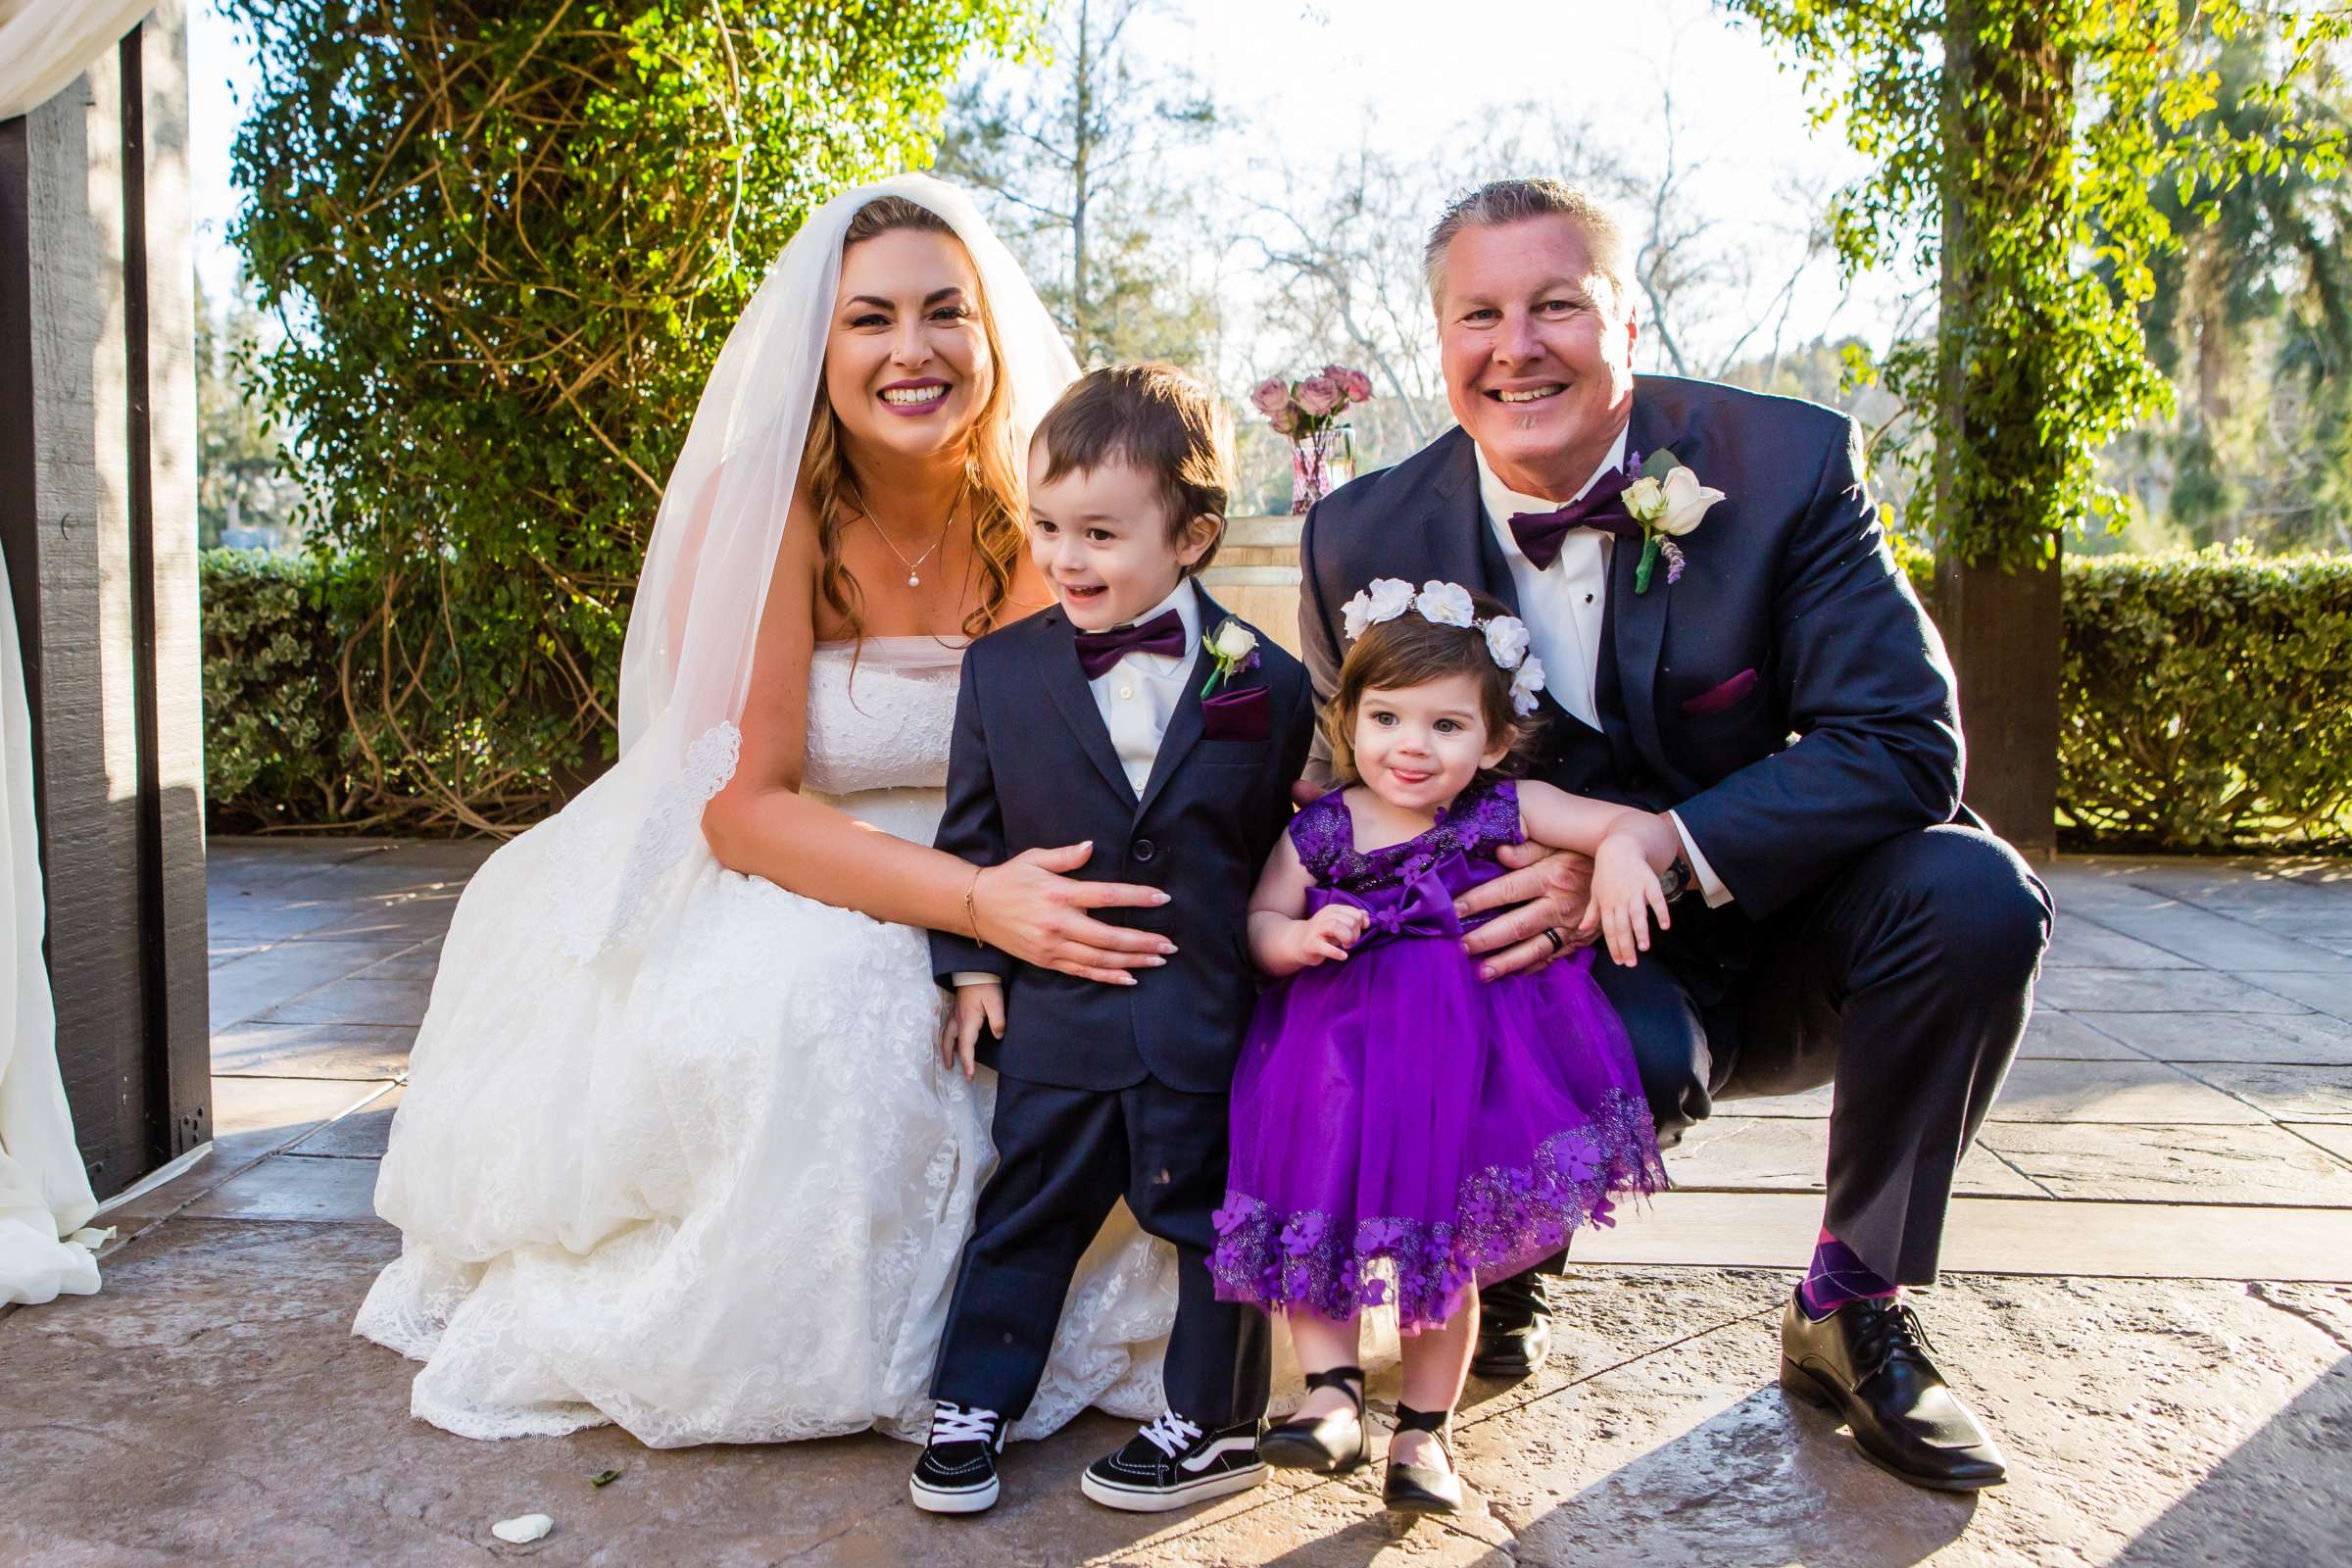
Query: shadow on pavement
[[1754, 1484], [2279, 1497]]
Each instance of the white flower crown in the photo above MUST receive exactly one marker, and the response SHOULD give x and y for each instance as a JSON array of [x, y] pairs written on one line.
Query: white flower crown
[[1448, 604]]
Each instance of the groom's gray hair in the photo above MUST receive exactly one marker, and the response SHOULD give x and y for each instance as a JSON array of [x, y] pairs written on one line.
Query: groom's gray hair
[[1515, 201]]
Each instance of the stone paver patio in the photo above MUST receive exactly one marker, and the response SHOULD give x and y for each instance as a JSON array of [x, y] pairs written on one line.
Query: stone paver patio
[[2149, 1300]]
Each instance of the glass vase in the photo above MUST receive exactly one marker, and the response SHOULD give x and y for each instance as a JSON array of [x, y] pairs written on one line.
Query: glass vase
[[1320, 462]]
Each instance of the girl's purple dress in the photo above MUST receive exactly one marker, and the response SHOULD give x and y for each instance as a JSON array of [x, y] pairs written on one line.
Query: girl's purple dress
[[1403, 1131]]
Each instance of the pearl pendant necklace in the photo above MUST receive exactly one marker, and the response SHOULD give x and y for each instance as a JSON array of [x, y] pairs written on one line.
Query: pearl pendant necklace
[[913, 568]]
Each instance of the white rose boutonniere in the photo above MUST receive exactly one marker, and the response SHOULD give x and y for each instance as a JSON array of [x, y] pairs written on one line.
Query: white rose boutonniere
[[1668, 502], [1234, 647]]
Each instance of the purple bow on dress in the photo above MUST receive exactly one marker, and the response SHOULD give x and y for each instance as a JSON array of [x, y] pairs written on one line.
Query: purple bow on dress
[[1542, 533], [1422, 907], [1162, 634]]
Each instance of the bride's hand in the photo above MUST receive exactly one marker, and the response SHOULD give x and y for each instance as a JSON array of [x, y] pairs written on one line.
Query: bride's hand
[[1027, 907]]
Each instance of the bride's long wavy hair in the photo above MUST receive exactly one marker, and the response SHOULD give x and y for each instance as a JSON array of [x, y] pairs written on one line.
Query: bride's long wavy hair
[[992, 475]]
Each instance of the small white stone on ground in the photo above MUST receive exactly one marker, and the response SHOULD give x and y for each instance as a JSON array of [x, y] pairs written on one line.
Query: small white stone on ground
[[528, 1526]]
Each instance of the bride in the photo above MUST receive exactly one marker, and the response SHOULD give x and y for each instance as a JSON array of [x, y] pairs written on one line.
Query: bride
[[677, 1151]]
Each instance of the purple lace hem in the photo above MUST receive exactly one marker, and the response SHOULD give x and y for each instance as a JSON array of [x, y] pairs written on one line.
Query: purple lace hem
[[1504, 1219]]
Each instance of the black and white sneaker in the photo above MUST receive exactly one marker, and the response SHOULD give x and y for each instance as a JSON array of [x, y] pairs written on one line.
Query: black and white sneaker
[[1173, 1464], [957, 1472]]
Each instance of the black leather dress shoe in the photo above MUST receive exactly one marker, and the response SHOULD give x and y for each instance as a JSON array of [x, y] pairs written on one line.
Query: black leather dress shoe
[[1868, 1362], [1515, 1328]]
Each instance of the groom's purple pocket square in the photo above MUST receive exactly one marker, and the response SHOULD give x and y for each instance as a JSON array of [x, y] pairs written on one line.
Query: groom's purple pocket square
[[1726, 695], [1246, 715]]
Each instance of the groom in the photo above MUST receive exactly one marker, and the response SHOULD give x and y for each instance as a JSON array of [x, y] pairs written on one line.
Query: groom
[[1770, 680]]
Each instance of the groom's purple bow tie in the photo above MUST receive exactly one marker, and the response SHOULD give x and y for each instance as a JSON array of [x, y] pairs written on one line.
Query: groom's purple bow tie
[[1542, 533], [1162, 634]]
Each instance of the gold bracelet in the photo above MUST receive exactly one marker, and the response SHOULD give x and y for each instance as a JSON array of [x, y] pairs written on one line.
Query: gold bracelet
[[971, 912]]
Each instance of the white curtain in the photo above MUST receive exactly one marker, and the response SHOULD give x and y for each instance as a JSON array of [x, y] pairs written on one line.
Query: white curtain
[[45, 1196], [45, 44]]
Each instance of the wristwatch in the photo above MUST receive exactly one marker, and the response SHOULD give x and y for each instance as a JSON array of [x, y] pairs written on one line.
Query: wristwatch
[[1674, 880]]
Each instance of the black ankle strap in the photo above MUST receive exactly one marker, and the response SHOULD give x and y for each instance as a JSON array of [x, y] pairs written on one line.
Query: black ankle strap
[[1348, 1380], [1410, 1419]]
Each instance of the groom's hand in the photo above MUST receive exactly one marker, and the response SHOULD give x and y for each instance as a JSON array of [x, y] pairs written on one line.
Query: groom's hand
[[1551, 888]]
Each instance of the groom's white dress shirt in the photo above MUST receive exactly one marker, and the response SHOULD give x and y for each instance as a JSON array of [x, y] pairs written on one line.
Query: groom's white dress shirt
[[1564, 606]]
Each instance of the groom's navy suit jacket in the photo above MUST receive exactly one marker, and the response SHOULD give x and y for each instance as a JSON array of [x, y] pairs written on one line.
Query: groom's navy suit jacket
[[1031, 767], [1787, 698]]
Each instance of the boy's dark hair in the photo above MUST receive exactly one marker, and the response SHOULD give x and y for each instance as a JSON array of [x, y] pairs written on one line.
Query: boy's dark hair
[[1157, 420], [1410, 651]]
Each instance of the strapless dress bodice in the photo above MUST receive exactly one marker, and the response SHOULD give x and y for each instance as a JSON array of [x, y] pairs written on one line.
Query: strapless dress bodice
[[880, 714]]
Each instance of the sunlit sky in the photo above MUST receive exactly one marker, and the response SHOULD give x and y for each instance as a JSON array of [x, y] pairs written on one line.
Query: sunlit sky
[[1309, 81]]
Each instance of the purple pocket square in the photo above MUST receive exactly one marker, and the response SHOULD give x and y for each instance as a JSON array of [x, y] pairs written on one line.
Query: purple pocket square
[[1728, 695], [1246, 715]]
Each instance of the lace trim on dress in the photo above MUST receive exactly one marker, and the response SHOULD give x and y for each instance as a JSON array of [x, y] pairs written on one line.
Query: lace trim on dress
[[1504, 1219]]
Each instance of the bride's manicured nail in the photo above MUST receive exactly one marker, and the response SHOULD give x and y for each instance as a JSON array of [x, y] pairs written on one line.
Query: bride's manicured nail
[[1167, 947], [1163, 897]]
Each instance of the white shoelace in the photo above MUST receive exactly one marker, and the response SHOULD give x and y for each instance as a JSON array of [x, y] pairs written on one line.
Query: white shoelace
[[951, 1424], [1172, 1433]]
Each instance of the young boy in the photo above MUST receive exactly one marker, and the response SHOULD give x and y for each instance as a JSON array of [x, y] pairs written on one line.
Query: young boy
[[1088, 721]]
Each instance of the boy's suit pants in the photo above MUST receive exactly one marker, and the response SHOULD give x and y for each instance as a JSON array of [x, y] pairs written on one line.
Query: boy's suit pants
[[1064, 1158]]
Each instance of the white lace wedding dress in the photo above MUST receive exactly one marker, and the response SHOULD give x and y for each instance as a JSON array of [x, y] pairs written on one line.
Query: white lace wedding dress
[[714, 1190]]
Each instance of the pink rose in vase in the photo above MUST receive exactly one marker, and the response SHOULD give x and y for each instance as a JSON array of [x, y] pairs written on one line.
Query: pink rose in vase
[[1356, 383], [1319, 396], [1270, 396]]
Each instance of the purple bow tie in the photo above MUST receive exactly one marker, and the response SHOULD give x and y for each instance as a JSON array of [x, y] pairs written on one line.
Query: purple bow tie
[[1542, 533], [1162, 634]]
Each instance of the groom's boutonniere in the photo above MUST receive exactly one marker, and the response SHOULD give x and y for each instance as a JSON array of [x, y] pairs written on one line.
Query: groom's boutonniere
[[1668, 502], [1234, 647]]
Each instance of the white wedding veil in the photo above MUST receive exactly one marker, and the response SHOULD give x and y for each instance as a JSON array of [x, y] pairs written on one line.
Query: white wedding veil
[[686, 666]]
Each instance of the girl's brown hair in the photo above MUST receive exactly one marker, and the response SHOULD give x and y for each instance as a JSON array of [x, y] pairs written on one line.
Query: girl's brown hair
[[992, 484], [1410, 651]]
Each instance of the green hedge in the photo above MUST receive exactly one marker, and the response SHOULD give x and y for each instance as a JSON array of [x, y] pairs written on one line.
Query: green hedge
[[2204, 701], [274, 745]]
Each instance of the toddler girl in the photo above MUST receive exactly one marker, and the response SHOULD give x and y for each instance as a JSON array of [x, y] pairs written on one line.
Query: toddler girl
[[1401, 1130]]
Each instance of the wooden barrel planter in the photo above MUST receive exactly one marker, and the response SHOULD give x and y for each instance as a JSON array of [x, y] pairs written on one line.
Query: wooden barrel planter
[[1255, 575]]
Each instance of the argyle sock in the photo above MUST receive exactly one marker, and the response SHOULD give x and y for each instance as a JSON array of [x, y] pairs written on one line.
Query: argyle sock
[[1836, 1278]]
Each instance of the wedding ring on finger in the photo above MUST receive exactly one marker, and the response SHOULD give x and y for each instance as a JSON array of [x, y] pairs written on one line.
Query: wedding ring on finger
[[1559, 942]]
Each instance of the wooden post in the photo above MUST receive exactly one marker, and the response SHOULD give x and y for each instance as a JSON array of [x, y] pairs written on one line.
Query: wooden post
[[97, 519], [2002, 626], [2003, 631]]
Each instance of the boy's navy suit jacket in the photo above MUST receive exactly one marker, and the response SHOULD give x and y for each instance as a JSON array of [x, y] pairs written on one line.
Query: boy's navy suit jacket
[[1031, 767]]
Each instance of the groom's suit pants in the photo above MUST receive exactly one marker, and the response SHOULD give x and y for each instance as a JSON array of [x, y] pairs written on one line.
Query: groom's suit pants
[[1066, 1156], [1905, 982]]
